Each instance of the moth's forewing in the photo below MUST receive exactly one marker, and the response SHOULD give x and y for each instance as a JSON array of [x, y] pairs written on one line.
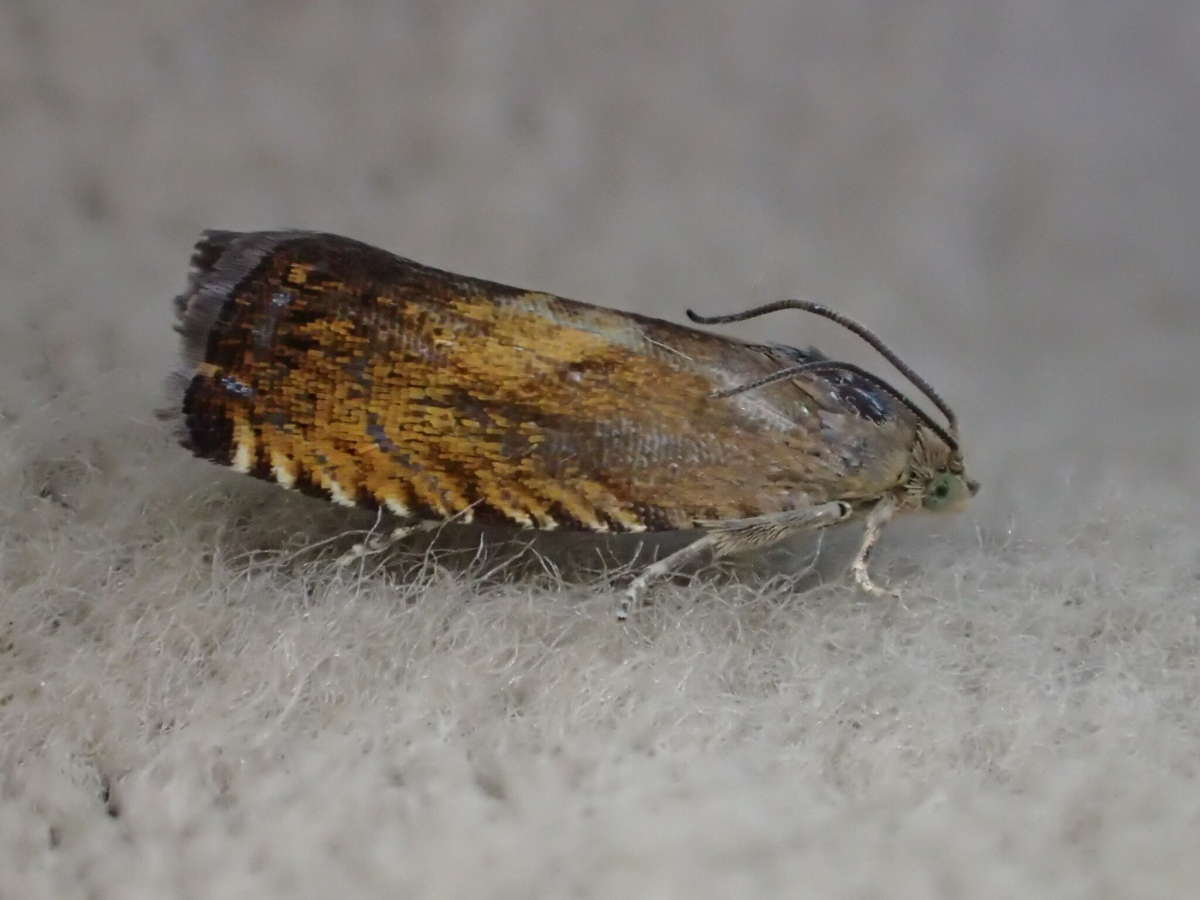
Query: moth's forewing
[[343, 370]]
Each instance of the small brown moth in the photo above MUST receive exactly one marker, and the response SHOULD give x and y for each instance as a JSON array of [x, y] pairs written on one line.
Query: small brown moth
[[341, 370]]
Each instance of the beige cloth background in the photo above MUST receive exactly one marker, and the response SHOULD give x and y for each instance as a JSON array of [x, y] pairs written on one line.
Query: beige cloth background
[[192, 703]]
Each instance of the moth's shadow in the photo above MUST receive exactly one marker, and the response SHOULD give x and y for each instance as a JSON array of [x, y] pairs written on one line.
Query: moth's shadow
[[491, 554], [293, 532]]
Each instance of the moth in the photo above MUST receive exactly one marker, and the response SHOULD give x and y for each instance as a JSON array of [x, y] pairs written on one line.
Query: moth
[[341, 370]]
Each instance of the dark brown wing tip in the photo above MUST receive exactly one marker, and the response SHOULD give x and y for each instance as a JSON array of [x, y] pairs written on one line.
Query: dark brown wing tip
[[221, 260]]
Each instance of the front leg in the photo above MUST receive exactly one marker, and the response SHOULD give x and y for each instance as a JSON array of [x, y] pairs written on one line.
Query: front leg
[[879, 516], [724, 537]]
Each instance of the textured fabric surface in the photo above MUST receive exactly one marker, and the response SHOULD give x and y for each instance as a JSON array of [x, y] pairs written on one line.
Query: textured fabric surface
[[195, 702]]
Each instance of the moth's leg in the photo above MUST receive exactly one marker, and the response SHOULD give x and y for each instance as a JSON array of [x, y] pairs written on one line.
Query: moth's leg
[[733, 536], [380, 542], [876, 519], [660, 569]]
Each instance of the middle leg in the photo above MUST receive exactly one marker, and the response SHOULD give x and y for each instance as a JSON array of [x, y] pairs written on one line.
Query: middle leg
[[380, 542]]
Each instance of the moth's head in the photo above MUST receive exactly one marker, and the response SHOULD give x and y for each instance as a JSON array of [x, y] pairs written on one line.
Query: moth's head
[[937, 479]]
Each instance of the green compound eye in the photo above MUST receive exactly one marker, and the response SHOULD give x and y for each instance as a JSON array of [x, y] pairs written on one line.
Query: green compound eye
[[945, 490]]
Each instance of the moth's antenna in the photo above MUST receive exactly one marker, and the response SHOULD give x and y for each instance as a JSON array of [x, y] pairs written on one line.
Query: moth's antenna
[[829, 365], [846, 322]]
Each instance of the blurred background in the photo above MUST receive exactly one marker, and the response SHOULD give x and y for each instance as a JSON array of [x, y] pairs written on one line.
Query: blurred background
[[1006, 191]]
